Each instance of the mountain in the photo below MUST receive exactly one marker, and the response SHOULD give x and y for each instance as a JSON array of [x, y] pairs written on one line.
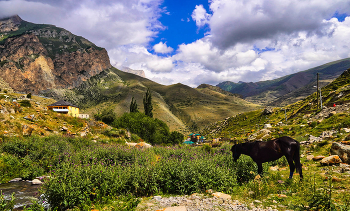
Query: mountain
[[288, 89], [38, 57], [297, 120], [181, 107], [136, 72]]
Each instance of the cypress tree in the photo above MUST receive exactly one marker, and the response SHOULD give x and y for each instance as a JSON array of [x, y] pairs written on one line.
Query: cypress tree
[[133, 106], [147, 104]]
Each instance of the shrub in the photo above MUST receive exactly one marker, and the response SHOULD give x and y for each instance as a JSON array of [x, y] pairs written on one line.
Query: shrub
[[29, 95], [25, 103], [107, 116]]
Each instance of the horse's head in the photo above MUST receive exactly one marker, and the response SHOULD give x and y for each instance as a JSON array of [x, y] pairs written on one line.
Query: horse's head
[[236, 151]]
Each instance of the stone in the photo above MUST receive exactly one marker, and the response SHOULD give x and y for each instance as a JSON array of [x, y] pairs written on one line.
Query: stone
[[267, 126], [36, 182], [16, 180], [281, 196], [280, 181], [210, 191], [257, 201], [274, 168], [331, 160], [143, 145], [268, 110], [30, 117], [310, 157], [64, 128], [332, 113], [346, 130], [158, 198], [176, 208], [221, 195], [342, 150], [345, 142], [26, 130], [318, 157]]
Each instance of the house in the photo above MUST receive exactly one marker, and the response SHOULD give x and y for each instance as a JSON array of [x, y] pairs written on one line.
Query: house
[[64, 107]]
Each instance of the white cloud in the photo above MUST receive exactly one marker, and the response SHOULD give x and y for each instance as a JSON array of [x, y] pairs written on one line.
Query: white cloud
[[162, 48], [200, 16]]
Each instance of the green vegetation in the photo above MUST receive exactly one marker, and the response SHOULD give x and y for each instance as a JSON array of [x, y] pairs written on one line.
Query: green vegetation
[[152, 130], [25, 103], [107, 116], [133, 105], [147, 103]]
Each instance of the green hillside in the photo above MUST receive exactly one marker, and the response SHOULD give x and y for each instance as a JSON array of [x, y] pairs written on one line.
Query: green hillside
[[296, 120], [183, 108]]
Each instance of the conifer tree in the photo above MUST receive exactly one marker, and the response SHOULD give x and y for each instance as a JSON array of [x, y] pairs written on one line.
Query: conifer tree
[[133, 106], [147, 104]]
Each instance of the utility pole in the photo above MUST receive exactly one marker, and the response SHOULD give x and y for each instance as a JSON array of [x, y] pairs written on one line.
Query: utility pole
[[317, 92]]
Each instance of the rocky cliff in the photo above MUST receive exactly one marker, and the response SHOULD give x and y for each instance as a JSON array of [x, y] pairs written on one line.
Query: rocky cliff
[[34, 57]]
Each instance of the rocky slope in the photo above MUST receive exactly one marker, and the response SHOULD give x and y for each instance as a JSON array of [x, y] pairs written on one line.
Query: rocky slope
[[38, 57]]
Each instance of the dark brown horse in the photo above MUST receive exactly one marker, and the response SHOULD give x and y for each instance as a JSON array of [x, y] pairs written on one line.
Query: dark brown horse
[[262, 152]]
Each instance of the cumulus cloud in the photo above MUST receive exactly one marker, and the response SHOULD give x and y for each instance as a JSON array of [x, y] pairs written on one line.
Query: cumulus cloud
[[200, 16], [235, 21], [106, 23], [162, 48]]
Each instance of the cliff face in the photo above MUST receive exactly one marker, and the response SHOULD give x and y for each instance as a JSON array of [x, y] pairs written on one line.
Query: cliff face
[[43, 57]]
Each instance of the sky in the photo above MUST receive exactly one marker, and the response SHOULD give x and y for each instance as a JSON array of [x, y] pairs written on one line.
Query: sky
[[203, 41]]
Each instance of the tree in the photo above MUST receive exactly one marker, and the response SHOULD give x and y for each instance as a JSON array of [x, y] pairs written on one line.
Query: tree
[[147, 104], [133, 106], [107, 116], [29, 95]]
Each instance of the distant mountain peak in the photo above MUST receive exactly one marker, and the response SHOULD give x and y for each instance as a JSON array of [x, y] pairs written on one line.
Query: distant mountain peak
[[9, 24], [135, 72]]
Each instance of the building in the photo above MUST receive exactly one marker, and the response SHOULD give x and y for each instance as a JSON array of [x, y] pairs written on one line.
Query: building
[[84, 116], [64, 107]]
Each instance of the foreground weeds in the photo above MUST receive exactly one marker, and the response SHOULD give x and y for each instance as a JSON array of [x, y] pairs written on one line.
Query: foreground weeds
[[85, 175]]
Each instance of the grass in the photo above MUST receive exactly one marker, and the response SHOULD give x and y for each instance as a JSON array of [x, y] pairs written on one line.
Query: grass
[[86, 175]]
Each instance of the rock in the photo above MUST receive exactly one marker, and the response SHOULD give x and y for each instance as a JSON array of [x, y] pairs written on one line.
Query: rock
[[26, 130], [36, 182], [281, 196], [280, 181], [268, 110], [342, 150], [332, 113], [318, 157], [267, 126], [310, 157], [221, 195], [143, 145], [274, 168], [176, 208], [331, 160], [64, 128], [346, 130], [345, 142], [158, 198], [16, 180], [257, 201], [29, 117]]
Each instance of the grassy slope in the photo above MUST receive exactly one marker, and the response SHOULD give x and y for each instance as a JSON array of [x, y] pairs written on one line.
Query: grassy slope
[[241, 126], [181, 107]]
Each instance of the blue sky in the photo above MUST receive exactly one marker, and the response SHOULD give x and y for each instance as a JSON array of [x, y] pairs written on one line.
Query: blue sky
[[198, 41]]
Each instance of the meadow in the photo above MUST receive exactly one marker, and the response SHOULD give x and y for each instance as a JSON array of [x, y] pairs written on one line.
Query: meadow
[[82, 175]]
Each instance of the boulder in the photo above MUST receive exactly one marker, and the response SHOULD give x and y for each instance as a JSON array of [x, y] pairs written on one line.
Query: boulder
[[16, 180], [268, 110], [346, 130], [318, 157], [274, 168], [221, 195], [331, 160], [26, 130], [29, 117], [176, 208], [64, 128], [267, 126], [36, 182], [310, 157], [342, 150], [143, 145]]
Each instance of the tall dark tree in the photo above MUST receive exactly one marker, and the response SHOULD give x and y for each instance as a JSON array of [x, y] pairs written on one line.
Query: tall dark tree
[[133, 106], [147, 104]]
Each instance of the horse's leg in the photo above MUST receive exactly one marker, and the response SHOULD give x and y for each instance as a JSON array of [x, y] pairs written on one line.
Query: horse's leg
[[291, 167], [298, 164], [260, 168]]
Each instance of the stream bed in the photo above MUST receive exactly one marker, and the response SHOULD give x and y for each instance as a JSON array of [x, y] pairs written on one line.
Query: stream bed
[[24, 191]]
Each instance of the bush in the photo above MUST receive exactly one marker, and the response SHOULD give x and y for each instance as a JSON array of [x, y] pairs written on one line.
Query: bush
[[149, 129], [29, 95], [107, 116], [25, 103]]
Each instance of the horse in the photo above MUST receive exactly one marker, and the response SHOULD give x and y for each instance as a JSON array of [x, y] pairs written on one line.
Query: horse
[[262, 152]]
